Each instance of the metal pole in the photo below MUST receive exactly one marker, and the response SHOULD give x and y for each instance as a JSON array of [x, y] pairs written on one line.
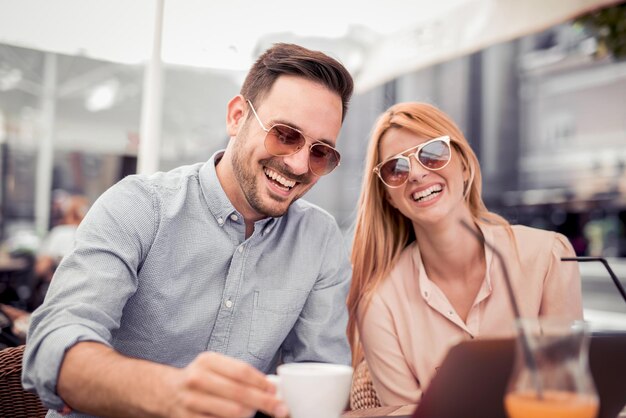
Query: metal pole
[[150, 132], [43, 181]]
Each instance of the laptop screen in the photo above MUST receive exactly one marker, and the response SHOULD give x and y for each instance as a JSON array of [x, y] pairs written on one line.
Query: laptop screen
[[474, 375]]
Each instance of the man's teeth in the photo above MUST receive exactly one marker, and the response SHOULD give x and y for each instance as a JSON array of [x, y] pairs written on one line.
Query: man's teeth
[[279, 179], [427, 194]]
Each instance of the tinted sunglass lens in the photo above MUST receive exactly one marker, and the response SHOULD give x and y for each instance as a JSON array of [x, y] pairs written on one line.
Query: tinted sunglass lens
[[281, 140], [395, 172], [323, 159], [435, 155]]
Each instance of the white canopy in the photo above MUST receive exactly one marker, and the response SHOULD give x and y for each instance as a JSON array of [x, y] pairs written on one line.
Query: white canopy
[[376, 40]]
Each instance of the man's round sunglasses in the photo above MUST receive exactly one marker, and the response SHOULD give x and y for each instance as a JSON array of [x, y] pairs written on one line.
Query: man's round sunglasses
[[432, 155], [283, 140]]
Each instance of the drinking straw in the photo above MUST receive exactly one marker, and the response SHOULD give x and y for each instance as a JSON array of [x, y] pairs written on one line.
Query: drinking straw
[[523, 337]]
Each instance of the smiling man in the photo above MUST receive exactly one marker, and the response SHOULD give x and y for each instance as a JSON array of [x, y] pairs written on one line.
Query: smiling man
[[270, 161], [184, 288]]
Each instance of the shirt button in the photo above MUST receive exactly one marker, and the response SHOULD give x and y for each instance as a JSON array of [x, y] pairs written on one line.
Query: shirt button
[[426, 294], [220, 221], [450, 313], [234, 217], [240, 249], [229, 303]]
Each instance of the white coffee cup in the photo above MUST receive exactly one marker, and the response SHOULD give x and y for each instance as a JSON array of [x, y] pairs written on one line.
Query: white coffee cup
[[314, 390]]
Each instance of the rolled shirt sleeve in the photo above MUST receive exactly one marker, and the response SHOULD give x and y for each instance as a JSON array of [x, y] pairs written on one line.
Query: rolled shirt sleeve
[[91, 286]]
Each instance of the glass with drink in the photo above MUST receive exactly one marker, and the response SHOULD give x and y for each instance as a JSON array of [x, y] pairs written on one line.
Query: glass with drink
[[551, 376]]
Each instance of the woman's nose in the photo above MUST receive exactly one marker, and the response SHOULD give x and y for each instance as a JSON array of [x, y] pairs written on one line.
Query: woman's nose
[[416, 171]]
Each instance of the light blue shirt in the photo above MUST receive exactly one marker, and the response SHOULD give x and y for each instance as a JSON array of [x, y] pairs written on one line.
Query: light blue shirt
[[162, 271]]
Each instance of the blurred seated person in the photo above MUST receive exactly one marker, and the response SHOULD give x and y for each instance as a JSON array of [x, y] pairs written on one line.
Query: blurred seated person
[[20, 320], [58, 243], [421, 282]]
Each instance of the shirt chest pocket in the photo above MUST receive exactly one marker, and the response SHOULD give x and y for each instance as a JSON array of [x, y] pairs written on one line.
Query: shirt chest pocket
[[273, 316]]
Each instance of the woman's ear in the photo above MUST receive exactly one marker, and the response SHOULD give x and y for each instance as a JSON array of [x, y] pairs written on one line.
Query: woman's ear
[[389, 199], [235, 116], [467, 175]]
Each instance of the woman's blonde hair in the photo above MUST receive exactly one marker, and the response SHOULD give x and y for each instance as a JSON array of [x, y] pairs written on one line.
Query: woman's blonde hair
[[381, 231]]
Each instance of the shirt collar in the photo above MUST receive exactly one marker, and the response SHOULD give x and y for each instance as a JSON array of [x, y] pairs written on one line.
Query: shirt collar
[[426, 284]]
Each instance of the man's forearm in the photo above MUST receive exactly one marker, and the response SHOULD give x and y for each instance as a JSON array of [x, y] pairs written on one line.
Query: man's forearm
[[97, 380]]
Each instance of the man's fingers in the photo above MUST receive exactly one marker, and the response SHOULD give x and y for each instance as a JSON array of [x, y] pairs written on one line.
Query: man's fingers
[[217, 376], [235, 370], [215, 406]]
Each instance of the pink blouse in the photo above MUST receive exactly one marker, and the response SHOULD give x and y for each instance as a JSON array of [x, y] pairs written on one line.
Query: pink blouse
[[410, 324]]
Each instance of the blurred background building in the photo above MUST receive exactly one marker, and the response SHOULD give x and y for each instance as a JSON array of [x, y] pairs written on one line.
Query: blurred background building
[[545, 112]]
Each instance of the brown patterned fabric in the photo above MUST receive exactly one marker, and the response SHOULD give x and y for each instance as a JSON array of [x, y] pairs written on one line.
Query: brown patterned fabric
[[363, 395], [15, 402]]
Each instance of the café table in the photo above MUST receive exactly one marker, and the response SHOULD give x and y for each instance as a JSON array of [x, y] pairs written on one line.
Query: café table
[[393, 411]]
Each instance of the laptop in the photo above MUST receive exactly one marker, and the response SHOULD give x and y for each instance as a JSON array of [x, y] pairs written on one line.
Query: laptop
[[473, 378]]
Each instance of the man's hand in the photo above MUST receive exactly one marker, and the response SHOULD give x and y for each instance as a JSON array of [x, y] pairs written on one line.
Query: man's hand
[[215, 385], [97, 380]]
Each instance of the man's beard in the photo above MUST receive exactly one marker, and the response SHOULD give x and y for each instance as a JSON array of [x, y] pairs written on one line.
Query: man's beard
[[244, 172]]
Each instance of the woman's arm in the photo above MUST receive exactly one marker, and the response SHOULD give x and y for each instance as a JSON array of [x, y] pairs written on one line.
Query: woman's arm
[[393, 379], [562, 294]]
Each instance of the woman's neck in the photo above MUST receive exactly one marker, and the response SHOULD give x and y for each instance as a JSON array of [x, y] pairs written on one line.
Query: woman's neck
[[449, 251]]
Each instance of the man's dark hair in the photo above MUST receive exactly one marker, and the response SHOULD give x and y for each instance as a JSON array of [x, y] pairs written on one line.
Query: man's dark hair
[[290, 59]]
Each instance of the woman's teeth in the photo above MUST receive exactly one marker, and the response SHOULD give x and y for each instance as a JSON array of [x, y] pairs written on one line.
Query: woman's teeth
[[427, 194]]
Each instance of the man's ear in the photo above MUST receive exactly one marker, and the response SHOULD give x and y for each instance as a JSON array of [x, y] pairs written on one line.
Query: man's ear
[[236, 114]]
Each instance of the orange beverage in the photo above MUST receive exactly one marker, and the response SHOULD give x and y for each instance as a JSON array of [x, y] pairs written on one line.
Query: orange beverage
[[555, 404]]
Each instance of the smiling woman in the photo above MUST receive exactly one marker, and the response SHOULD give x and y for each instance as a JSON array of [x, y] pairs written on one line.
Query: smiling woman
[[420, 282]]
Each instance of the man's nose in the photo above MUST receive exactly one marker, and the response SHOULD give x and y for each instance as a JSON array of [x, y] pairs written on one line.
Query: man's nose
[[298, 162]]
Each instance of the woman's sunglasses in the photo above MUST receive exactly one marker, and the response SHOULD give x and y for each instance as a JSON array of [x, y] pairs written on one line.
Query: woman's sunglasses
[[432, 155], [283, 140]]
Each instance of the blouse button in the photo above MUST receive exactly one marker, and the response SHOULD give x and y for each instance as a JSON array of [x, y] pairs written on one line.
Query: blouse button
[[234, 217]]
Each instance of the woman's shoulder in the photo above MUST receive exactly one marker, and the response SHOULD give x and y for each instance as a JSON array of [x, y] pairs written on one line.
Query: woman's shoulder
[[532, 243]]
